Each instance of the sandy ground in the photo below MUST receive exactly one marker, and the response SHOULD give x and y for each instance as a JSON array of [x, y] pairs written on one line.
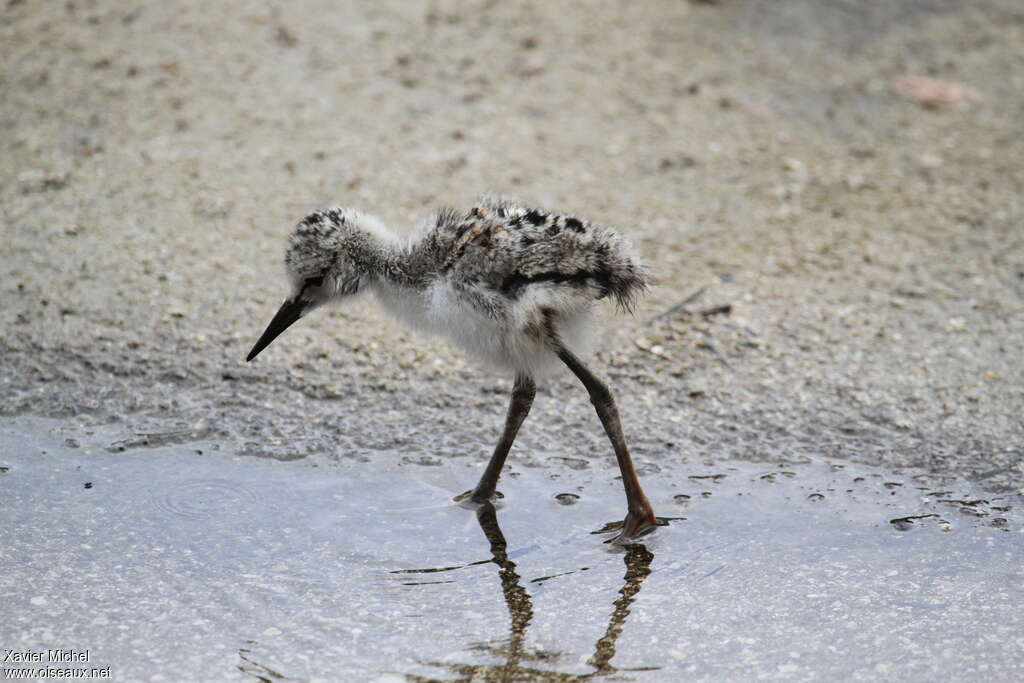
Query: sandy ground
[[870, 247], [853, 231]]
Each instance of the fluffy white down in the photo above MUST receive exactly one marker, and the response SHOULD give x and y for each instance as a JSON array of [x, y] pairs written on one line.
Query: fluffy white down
[[504, 346]]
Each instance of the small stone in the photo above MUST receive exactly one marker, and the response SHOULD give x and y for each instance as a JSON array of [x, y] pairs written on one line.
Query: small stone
[[792, 164], [933, 93]]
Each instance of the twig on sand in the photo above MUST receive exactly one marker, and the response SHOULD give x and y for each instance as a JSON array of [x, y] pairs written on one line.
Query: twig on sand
[[721, 309], [681, 306]]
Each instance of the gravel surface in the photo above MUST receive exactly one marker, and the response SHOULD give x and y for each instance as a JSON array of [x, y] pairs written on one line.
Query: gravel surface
[[868, 243]]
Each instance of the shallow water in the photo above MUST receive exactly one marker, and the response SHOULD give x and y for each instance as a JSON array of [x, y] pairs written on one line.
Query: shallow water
[[185, 561]]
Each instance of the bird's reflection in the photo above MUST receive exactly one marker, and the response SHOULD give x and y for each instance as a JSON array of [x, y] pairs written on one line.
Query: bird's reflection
[[638, 567], [520, 607], [519, 662]]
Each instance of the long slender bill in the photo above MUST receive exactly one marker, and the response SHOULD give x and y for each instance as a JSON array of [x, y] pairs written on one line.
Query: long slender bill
[[289, 312]]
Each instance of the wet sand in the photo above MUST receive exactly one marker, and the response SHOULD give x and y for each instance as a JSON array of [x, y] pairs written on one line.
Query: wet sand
[[858, 254]]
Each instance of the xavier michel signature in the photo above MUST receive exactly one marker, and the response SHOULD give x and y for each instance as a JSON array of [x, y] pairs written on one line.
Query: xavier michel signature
[[49, 656]]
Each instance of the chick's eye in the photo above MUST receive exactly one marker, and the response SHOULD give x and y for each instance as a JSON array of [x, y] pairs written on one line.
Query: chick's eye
[[315, 281]]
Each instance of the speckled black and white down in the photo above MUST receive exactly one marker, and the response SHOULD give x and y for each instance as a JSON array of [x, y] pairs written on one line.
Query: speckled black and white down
[[499, 279]]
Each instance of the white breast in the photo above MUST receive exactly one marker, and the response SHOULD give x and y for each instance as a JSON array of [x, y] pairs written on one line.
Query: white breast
[[504, 345]]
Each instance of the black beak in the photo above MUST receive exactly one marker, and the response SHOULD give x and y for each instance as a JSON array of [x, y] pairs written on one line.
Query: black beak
[[290, 311]]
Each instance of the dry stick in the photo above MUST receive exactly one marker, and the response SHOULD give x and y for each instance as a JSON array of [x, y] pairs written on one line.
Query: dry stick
[[678, 307], [720, 309]]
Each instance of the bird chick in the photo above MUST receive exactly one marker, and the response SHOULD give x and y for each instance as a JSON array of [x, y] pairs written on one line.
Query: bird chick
[[512, 285]]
